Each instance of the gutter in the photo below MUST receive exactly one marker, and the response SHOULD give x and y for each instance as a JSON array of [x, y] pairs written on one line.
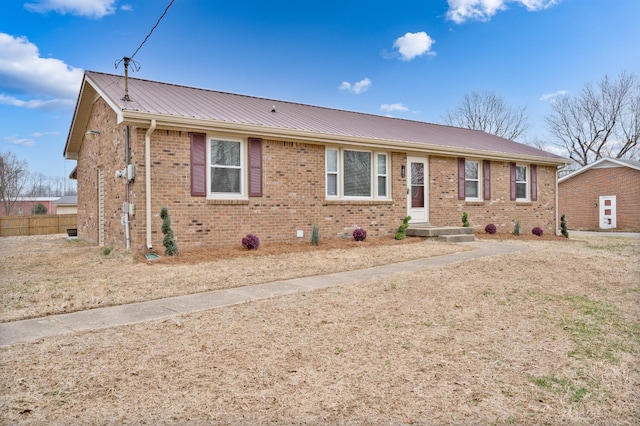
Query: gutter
[[137, 117], [147, 176]]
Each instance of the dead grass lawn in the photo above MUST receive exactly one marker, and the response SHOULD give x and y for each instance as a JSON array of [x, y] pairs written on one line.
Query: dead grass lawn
[[546, 336]]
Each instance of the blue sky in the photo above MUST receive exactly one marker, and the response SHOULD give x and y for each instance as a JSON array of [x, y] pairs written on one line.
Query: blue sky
[[409, 59]]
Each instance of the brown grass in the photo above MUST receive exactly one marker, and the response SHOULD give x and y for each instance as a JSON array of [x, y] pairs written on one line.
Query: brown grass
[[546, 336]]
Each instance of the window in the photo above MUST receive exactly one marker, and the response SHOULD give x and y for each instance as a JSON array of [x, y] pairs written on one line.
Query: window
[[382, 175], [356, 174], [225, 162], [472, 180], [225, 169], [521, 183]]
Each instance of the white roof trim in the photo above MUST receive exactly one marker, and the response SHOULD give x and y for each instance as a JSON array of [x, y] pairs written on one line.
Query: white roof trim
[[596, 165]]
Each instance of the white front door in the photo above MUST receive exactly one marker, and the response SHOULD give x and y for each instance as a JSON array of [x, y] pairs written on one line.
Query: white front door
[[607, 212], [418, 189]]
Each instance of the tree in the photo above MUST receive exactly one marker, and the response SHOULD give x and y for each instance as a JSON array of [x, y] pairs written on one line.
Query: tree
[[488, 112], [601, 121], [13, 178]]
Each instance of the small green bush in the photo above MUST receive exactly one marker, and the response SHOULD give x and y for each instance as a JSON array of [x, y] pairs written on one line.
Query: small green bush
[[465, 219], [401, 234], [516, 228], [315, 235], [169, 242], [563, 226], [39, 209]]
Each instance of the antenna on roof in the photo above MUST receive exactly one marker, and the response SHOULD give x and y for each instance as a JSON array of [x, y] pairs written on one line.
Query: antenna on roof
[[130, 60], [136, 67]]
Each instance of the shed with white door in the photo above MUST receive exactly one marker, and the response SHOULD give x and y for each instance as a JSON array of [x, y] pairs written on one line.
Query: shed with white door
[[604, 195]]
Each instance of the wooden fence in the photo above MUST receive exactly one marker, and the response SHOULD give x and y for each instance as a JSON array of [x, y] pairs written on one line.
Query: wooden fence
[[11, 226]]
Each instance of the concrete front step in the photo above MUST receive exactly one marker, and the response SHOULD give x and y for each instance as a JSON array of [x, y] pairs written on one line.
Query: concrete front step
[[457, 238], [435, 231]]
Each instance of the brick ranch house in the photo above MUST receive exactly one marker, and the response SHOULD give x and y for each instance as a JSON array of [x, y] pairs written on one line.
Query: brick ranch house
[[227, 165], [604, 195]]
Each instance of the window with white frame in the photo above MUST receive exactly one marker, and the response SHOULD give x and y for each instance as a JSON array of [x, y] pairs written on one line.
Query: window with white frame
[[356, 174], [472, 180], [522, 183], [226, 168]]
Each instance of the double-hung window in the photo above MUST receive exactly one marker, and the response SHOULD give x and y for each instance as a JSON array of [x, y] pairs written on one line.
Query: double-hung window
[[472, 180], [226, 174], [522, 185], [356, 174]]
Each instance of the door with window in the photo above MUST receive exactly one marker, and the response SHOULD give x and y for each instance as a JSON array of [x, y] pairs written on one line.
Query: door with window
[[607, 212], [418, 189]]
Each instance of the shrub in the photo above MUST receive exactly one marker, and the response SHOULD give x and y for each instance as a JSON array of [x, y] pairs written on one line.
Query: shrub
[[490, 229], [537, 231], [401, 234], [39, 209], [465, 219], [251, 242], [169, 242], [516, 229], [315, 235], [359, 234], [563, 226]]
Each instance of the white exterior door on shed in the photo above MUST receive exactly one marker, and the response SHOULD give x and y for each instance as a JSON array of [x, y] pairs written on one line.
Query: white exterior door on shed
[[418, 189], [607, 212]]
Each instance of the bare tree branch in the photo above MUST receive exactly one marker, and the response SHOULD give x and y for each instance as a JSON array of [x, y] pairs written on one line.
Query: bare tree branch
[[602, 121], [488, 112], [13, 179]]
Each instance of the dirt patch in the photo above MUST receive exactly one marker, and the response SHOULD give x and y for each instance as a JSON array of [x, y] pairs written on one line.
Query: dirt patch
[[546, 336]]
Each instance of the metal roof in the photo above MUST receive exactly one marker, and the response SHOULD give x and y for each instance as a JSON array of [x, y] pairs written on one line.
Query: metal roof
[[175, 103]]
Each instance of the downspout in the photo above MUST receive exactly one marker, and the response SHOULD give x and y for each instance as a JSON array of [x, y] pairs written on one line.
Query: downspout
[[557, 198], [127, 218], [147, 169]]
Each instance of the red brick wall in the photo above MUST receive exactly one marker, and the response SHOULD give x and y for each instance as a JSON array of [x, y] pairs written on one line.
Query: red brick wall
[[105, 151], [293, 199], [579, 197], [293, 194], [446, 209]]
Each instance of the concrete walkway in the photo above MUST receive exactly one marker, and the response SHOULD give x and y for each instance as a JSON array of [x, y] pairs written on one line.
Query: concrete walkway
[[96, 319]]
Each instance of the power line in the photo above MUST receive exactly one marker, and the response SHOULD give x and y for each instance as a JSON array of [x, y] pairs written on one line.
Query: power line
[[154, 27]]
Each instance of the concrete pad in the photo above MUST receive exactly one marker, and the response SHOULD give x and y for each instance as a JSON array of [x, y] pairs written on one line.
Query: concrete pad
[[203, 301], [29, 330]]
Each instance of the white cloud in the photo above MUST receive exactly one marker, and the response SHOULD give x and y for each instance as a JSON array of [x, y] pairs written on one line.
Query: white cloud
[[357, 88], [29, 81], [482, 10], [412, 45], [393, 107], [19, 141], [88, 8], [551, 97]]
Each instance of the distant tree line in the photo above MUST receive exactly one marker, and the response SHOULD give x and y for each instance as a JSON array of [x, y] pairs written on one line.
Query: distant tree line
[[602, 120], [16, 182]]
